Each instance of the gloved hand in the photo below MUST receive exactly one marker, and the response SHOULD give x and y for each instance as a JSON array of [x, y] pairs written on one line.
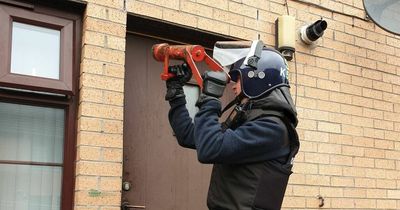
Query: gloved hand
[[175, 84], [214, 83]]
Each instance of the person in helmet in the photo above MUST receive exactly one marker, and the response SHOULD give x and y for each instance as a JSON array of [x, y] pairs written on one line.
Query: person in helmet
[[252, 151]]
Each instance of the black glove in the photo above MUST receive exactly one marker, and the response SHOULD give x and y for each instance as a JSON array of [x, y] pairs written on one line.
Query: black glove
[[214, 83], [175, 84]]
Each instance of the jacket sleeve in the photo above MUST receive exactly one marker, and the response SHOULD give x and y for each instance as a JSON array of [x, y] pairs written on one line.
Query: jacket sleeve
[[254, 141], [181, 123]]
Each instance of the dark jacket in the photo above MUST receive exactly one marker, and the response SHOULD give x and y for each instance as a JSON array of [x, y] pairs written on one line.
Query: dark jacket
[[248, 161]]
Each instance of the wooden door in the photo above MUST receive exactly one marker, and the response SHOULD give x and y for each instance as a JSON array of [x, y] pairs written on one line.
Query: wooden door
[[161, 173]]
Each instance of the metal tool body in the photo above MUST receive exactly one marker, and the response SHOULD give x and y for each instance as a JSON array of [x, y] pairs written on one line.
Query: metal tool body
[[188, 53]]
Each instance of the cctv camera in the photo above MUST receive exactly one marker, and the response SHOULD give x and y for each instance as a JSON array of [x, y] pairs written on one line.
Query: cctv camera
[[311, 33]]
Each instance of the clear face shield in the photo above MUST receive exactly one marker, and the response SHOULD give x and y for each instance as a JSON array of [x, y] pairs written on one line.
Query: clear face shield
[[226, 53]]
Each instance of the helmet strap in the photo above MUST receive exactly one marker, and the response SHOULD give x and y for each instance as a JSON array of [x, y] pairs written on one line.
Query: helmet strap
[[236, 101]]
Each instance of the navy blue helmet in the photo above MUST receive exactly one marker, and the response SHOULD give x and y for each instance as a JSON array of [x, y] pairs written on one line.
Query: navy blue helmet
[[271, 72]]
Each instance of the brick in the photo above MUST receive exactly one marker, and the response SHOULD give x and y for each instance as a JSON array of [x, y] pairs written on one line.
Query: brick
[[316, 136], [297, 179], [391, 116], [105, 27], [340, 139], [350, 109], [331, 191], [383, 124], [260, 26], [244, 33], [327, 64], [364, 162], [307, 146], [362, 121], [376, 193], [102, 82], [390, 135], [343, 37], [317, 93], [342, 203], [356, 51], [328, 106], [86, 182], [113, 98], [383, 86], [89, 124], [108, 3], [352, 130], [88, 153], [111, 154], [386, 184], [112, 126], [213, 25], [350, 89], [393, 98], [328, 85], [305, 191], [221, 4], [342, 181], [103, 54], [355, 31], [344, 57], [99, 168], [309, 103], [329, 148], [329, 127], [228, 17], [395, 194], [172, 4], [339, 46], [353, 172], [316, 158], [99, 198], [355, 193], [370, 93], [364, 182], [340, 160], [374, 153], [340, 97], [375, 173], [339, 118], [392, 155], [373, 133], [110, 184], [361, 101], [364, 203], [91, 95], [180, 17], [367, 63], [350, 69], [101, 111], [385, 67], [196, 8], [305, 168], [307, 80], [143, 8], [294, 202], [106, 13], [352, 151], [386, 204], [372, 113], [318, 180], [363, 82], [363, 141], [243, 9], [316, 72], [99, 139], [330, 170]]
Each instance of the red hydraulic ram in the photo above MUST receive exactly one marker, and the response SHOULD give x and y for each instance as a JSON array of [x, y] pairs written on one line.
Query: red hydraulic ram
[[188, 53]]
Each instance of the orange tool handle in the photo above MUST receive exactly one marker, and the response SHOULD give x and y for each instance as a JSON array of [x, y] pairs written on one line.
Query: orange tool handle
[[189, 53]]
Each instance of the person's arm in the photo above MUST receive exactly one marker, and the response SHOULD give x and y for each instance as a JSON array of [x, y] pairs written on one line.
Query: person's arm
[[181, 123], [253, 141]]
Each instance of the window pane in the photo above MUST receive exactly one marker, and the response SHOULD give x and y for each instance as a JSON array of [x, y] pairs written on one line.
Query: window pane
[[192, 93], [31, 133], [35, 51], [30, 187]]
